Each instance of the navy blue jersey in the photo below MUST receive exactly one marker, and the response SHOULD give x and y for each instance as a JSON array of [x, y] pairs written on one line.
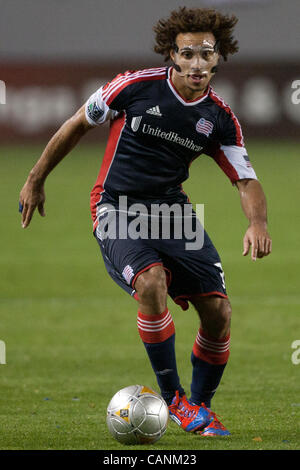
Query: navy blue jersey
[[155, 134]]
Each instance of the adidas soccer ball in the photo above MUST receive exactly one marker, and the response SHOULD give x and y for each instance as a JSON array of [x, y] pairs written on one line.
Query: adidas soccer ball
[[137, 415]]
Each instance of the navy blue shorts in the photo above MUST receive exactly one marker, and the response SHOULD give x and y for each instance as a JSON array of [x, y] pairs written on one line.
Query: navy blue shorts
[[190, 273]]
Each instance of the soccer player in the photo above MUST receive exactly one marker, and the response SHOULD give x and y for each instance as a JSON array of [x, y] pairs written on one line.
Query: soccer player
[[161, 119]]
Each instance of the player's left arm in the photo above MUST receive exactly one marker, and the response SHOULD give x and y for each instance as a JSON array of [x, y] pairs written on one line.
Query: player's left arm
[[231, 155], [254, 205]]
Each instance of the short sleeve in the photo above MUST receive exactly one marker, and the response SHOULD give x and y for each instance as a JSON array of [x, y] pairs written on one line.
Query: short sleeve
[[117, 93], [234, 161], [228, 150], [112, 98], [229, 128], [97, 111]]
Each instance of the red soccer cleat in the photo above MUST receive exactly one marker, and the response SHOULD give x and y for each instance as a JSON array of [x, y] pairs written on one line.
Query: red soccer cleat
[[189, 417], [215, 429]]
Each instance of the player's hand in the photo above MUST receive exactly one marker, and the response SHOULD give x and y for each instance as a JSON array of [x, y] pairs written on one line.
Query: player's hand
[[32, 196], [259, 240]]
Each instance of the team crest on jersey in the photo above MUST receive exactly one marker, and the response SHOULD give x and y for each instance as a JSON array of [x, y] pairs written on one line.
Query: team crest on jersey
[[204, 127], [135, 123]]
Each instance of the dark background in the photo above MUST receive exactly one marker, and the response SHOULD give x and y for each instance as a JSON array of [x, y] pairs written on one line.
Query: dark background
[[54, 54]]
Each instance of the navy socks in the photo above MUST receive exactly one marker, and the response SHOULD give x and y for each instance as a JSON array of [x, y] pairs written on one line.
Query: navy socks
[[158, 335]]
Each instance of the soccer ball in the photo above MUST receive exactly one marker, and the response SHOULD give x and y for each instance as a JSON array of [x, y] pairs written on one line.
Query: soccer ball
[[137, 415]]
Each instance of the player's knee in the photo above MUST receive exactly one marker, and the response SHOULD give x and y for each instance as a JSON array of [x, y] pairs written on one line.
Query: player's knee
[[215, 314], [224, 315], [222, 318], [151, 287]]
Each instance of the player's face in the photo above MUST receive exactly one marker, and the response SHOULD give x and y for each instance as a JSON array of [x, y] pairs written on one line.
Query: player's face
[[196, 56]]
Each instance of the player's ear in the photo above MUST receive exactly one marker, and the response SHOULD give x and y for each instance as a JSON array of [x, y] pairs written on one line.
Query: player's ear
[[173, 49], [172, 55]]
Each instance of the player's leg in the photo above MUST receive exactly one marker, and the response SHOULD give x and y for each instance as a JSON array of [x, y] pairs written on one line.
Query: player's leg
[[136, 267], [211, 348], [198, 277], [157, 330], [152, 290], [158, 334]]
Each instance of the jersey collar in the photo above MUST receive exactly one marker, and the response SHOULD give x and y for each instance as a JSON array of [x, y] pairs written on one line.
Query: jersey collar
[[180, 97]]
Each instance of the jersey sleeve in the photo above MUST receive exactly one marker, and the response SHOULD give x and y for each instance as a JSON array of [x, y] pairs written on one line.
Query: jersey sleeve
[[234, 161], [229, 151], [112, 98], [96, 110]]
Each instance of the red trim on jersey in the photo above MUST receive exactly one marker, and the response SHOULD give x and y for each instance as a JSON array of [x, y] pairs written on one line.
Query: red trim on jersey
[[114, 136], [123, 80], [131, 74], [220, 158], [220, 102], [183, 192]]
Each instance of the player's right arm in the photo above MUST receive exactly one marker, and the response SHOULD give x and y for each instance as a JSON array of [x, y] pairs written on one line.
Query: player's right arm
[[103, 105], [32, 195]]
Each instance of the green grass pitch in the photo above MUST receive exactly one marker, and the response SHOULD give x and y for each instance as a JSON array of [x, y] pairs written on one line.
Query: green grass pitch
[[70, 332]]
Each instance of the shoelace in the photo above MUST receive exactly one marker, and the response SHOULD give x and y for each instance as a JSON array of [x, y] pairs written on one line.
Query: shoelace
[[216, 423], [190, 411]]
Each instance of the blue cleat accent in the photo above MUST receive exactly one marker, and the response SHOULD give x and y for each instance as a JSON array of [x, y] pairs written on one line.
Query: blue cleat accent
[[190, 417], [215, 429]]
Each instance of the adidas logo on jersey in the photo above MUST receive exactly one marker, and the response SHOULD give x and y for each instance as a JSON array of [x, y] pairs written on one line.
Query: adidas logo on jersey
[[155, 111]]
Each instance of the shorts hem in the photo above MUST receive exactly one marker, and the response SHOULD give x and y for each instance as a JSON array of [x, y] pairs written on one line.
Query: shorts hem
[[206, 294], [168, 273], [143, 270], [182, 300]]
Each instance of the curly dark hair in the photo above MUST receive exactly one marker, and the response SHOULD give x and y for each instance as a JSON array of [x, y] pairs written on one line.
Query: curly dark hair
[[189, 20]]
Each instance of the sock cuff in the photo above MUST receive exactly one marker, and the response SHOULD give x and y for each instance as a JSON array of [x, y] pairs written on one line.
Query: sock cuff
[[152, 318], [155, 328], [207, 337], [211, 350]]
